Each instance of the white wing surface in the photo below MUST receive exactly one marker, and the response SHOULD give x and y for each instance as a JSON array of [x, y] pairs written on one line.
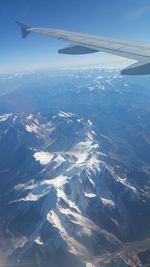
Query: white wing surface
[[85, 44]]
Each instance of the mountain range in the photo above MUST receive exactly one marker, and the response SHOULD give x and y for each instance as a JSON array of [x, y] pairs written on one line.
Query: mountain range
[[74, 169]]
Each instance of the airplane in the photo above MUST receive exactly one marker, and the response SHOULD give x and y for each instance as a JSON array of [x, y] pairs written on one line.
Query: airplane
[[85, 44]]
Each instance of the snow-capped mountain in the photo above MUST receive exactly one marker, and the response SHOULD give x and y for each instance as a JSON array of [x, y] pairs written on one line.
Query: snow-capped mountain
[[71, 193]]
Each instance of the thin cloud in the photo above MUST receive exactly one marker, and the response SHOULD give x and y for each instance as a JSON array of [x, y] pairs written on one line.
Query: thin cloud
[[137, 13]]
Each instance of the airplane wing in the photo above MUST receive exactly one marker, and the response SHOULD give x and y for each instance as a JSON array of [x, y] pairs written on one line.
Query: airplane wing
[[85, 44]]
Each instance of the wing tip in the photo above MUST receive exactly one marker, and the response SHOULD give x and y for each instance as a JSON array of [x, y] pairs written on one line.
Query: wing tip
[[138, 68], [24, 29]]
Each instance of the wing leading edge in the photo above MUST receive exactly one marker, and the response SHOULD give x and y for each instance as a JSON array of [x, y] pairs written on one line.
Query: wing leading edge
[[85, 44]]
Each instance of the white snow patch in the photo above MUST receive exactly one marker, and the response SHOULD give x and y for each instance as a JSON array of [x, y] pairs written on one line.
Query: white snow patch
[[30, 117], [43, 157], [74, 246], [27, 186], [38, 191], [90, 135], [54, 219], [90, 265], [41, 189], [59, 160], [32, 128], [84, 231], [91, 181], [124, 182], [32, 197], [81, 157], [14, 119], [72, 205], [108, 202], [90, 122], [90, 195], [38, 240], [65, 114], [86, 155], [84, 145], [5, 117], [56, 182], [93, 163]]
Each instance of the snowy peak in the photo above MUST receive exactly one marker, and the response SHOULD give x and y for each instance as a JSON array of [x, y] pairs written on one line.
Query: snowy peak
[[72, 180]]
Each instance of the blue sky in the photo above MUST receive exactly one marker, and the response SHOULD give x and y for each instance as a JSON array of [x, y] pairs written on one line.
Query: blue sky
[[127, 19]]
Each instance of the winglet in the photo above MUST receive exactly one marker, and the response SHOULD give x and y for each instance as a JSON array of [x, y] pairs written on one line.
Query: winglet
[[24, 29]]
